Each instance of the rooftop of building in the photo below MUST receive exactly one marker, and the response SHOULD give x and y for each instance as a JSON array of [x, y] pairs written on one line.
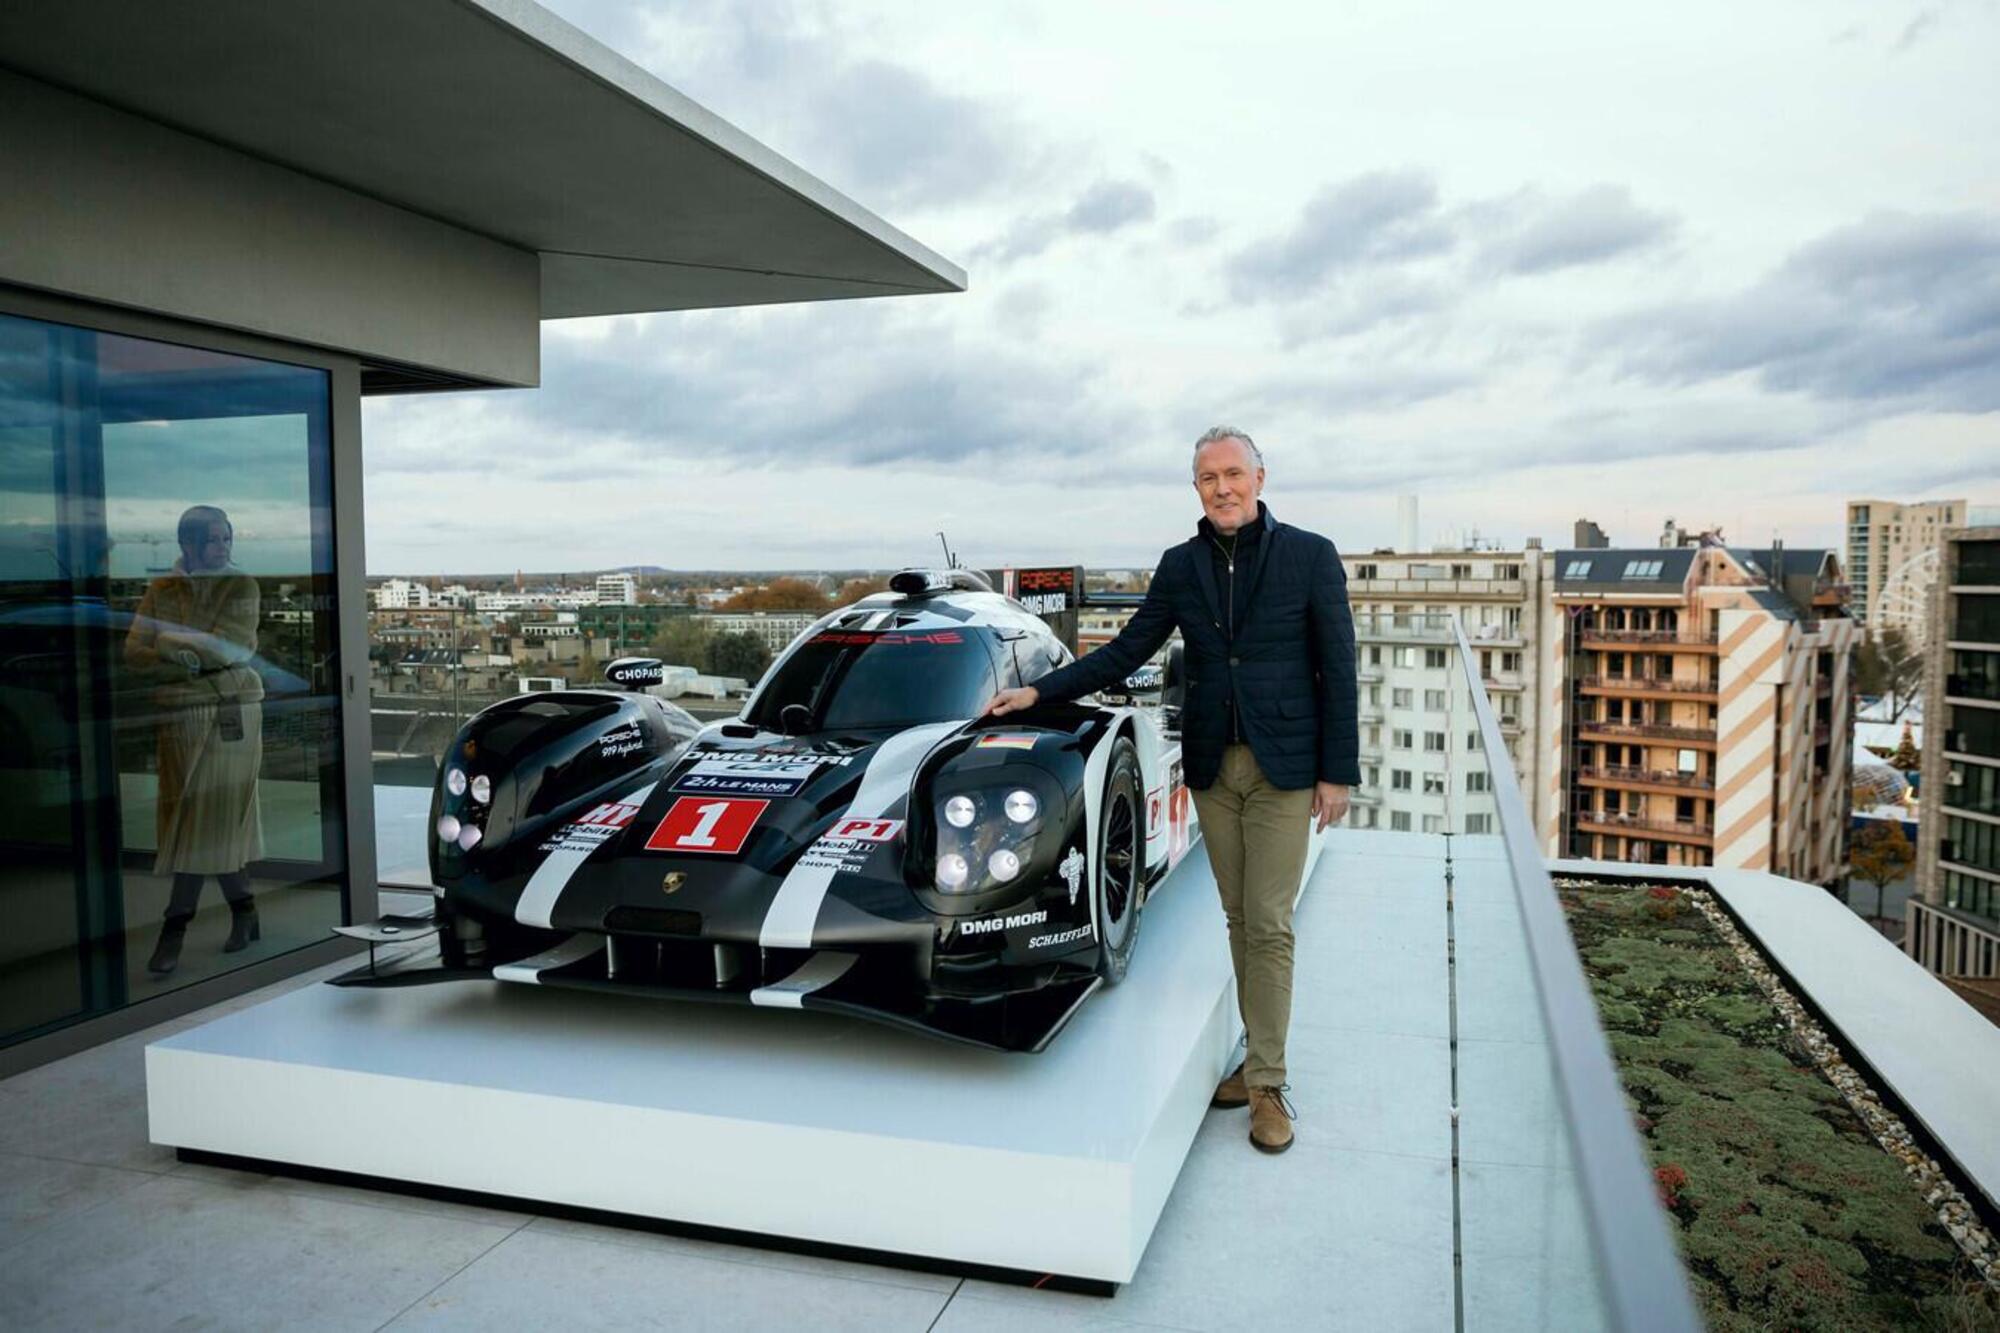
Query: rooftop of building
[[1653, 570]]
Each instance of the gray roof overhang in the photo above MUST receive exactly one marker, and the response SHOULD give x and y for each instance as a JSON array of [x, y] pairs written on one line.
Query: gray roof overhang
[[494, 116]]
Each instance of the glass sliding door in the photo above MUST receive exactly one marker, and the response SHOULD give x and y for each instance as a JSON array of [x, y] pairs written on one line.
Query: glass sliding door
[[170, 769]]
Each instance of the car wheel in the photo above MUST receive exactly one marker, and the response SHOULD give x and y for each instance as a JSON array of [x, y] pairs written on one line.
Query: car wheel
[[1121, 861]]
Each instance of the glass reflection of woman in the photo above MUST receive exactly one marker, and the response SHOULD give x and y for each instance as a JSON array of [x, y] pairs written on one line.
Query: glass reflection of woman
[[195, 631]]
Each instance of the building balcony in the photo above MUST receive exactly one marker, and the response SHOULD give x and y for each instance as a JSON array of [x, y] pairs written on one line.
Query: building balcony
[[1509, 589], [1619, 775], [1368, 675], [1621, 731], [1648, 685], [1655, 639], [1676, 830]]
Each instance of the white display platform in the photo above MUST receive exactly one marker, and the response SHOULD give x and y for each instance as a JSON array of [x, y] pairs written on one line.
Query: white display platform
[[811, 1127]]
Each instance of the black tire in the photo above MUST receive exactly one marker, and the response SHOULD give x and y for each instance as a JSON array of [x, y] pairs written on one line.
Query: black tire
[[1118, 895]]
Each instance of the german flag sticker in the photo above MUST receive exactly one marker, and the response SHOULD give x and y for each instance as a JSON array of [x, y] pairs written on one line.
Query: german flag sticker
[[1006, 740]]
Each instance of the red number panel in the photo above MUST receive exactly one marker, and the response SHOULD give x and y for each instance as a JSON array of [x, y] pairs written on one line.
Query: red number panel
[[712, 824]]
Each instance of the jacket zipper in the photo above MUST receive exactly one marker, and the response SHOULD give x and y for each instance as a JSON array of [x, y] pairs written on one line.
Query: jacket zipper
[[1229, 618]]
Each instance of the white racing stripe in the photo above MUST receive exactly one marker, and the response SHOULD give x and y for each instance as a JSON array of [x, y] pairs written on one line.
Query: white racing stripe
[[572, 950], [816, 973], [794, 910], [537, 902]]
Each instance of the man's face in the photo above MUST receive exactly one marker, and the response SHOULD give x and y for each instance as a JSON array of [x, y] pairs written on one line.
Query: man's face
[[1229, 483]]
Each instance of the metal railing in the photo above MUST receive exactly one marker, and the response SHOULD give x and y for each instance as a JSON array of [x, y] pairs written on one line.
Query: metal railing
[[1658, 730], [1466, 587], [1664, 684], [1644, 1286], [1664, 777], [1686, 828], [1667, 637]]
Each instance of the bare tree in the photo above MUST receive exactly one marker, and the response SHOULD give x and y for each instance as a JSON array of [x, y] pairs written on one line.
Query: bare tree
[[1889, 665]]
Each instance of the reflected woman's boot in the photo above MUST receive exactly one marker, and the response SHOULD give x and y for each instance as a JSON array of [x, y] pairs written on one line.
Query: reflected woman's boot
[[243, 926], [167, 953]]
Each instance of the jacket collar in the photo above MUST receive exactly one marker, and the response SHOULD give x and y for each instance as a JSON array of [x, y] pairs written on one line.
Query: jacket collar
[[1263, 526], [1255, 528]]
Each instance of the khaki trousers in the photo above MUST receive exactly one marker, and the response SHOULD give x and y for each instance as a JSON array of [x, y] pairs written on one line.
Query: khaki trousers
[[1256, 836]]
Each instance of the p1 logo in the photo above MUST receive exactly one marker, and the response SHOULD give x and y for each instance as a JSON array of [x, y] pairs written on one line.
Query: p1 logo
[[714, 826], [865, 830]]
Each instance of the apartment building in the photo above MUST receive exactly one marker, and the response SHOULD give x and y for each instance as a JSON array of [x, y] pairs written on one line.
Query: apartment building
[[617, 590], [1405, 599], [1953, 926], [1699, 708], [401, 595], [774, 629], [1892, 560]]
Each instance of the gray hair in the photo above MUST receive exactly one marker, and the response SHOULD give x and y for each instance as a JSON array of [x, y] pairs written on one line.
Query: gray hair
[[1215, 434]]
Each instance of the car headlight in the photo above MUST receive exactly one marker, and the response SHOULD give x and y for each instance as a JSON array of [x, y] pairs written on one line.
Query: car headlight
[[454, 781], [468, 837], [482, 789], [448, 828], [952, 871], [974, 849]]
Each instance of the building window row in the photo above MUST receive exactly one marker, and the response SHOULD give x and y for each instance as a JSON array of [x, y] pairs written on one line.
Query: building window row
[[1969, 893], [1971, 842]]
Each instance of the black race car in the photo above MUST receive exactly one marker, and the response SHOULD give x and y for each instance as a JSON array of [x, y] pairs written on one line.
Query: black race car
[[857, 840]]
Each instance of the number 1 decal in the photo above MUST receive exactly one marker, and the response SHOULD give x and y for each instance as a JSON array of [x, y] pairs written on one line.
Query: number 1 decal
[[716, 827], [703, 833]]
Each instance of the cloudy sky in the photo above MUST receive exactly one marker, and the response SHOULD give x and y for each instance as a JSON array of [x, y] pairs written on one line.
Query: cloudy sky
[[1729, 263]]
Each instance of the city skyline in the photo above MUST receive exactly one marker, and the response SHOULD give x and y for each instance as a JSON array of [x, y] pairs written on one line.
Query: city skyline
[[1430, 251]]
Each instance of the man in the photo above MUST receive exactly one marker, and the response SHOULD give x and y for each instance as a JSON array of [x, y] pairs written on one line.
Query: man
[[1268, 729]]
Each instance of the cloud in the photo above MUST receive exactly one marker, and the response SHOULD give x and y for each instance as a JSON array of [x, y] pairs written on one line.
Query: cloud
[[855, 385], [1105, 207], [1913, 31], [1385, 247], [885, 132], [1597, 224], [1370, 302], [1900, 308], [1376, 218]]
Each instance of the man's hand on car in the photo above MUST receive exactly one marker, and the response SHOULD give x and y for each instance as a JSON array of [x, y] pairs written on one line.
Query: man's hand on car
[[1012, 701], [1329, 804]]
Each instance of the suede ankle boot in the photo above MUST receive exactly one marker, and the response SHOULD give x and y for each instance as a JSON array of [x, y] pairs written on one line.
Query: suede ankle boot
[[243, 926], [167, 953], [1232, 1092], [1271, 1117]]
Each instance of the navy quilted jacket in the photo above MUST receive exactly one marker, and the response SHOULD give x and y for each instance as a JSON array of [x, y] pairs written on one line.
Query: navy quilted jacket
[[1288, 665]]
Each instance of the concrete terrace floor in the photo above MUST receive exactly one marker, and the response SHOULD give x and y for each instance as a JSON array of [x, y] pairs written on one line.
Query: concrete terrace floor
[[1356, 1227]]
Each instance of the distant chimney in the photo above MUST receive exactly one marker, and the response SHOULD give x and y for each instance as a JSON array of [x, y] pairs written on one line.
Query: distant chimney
[[1777, 564], [1406, 523], [1589, 537]]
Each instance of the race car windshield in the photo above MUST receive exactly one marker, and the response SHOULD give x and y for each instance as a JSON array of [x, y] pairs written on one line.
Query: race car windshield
[[843, 679]]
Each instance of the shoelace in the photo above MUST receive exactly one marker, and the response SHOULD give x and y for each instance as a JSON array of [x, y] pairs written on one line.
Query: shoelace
[[1277, 1096]]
